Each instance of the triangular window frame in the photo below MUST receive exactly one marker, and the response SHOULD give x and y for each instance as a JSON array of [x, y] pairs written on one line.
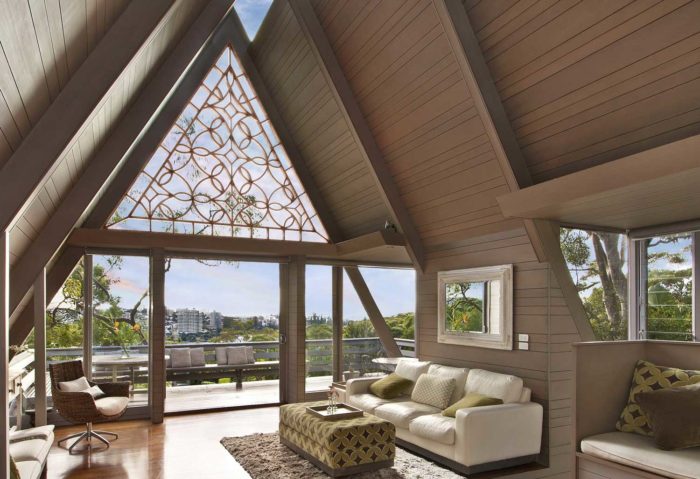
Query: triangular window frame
[[248, 180]]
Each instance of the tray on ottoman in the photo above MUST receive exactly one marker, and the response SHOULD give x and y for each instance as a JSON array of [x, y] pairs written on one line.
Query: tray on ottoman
[[339, 448], [342, 411]]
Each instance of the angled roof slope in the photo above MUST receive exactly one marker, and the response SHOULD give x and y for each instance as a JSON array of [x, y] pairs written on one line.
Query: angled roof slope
[[589, 82]]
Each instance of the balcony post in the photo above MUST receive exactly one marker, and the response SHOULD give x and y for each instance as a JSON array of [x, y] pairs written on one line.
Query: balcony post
[[40, 348], [337, 285], [87, 322], [4, 351], [156, 361]]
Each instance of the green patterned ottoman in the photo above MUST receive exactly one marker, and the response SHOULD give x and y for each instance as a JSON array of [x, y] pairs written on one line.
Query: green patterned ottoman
[[339, 448]]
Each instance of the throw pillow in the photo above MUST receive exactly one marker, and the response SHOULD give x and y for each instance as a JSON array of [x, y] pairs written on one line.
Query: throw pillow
[[95, 391], [674, 415], [14, 472], [649, 377], [180, 358], [197, 357], [74, 386], [221, 358], [236, 355], [250, 354], [433, 390], [471, 400], [390, 386]]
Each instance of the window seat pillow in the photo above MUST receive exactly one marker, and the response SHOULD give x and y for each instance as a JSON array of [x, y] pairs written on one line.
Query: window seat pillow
[[674, 414]]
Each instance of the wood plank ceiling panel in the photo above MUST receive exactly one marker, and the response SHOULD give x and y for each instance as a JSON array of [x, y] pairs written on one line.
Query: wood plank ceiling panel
[[293, 77], [404, 74], [584, 83], [101, 122]]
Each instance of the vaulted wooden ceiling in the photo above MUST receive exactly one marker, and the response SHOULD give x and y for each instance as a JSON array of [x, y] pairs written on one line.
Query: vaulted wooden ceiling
[[581, 83]]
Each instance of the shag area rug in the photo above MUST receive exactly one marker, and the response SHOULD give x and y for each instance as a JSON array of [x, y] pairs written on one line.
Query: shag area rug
[[263, 457]]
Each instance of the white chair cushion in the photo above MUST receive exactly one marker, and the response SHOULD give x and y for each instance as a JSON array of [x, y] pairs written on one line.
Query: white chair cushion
[[434, 391], [640, 452], [221, 358], [180, 358], [369, 402], [411, 369], [458, 374], [30, 450], [74, 386], [400, 414], [29, 469], [434, 427], [197, 357], [236, 355], [502, 386], [110, 406], [95, 392], [41, 432]]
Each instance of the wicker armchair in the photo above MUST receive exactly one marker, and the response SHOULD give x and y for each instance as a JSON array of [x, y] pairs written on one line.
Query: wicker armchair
[[81, 407]]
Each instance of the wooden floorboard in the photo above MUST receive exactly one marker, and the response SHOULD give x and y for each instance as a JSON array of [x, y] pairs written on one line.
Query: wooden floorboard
[[182, 447]]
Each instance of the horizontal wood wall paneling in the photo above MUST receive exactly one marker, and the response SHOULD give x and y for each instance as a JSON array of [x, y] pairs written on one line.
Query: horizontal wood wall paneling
[[587, 84]]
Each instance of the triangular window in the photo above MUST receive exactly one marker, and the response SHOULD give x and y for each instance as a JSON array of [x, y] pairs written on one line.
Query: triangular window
[[221, 170]]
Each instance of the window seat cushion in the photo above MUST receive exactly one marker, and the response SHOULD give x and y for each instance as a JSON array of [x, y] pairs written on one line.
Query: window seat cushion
[[640, 452]]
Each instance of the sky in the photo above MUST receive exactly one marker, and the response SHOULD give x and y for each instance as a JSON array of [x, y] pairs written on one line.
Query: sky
[[252, 13], [251, 289]]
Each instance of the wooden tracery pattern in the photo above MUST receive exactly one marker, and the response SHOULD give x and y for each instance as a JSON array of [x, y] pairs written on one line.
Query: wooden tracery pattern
[[221, 170]]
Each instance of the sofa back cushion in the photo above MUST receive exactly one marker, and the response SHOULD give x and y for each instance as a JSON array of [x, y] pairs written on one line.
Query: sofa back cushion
[[433, 390], [458, 374], [411, 369], [505, 387], [180, 358], [197, 357]]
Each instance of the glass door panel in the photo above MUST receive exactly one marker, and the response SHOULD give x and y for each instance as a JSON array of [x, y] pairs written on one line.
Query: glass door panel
[[319, 328], [221, 334], [120, 321]]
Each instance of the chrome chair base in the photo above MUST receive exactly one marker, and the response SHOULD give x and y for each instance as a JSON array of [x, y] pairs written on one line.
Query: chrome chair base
[[87, 436]]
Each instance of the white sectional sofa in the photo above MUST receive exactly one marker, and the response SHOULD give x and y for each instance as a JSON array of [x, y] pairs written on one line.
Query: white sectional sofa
[[477, 439]]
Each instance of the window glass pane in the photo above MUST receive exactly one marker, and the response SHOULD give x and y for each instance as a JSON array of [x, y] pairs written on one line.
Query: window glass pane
[[465, 305], [669, 287], [319, 327], [121, 316], [64, 319], [360, 341], [597, 262]]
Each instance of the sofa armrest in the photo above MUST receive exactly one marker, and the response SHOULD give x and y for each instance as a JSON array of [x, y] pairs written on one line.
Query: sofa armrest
[[494, 433], [359, 385]]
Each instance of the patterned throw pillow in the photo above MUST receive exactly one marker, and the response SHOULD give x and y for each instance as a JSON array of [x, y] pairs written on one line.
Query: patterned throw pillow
[[433, 390], [649, 377]]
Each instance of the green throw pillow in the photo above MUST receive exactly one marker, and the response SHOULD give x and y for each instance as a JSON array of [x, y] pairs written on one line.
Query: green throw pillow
[[471, 400], [391, 386], [650, 377]]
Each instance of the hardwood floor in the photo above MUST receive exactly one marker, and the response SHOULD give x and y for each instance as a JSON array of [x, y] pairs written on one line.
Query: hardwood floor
[[184, 446]]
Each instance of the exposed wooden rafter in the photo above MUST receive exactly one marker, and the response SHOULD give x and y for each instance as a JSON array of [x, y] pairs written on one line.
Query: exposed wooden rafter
[[372, 310], [487, 100], [313, 30], [132, 129], [73, 107]]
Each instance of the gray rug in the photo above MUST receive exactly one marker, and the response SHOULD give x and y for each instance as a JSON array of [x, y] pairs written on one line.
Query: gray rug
[[263, 457]]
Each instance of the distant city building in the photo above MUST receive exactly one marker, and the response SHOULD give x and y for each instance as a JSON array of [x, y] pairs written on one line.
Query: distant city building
[[216, 320], [190, 321]]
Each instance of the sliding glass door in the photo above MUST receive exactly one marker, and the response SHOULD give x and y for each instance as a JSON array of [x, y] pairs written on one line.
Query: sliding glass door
[[222, 332]]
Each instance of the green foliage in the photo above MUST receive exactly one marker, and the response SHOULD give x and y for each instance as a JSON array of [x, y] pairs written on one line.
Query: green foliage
[[464, 312]]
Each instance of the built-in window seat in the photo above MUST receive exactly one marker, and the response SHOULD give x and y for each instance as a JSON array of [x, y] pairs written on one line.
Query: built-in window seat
[[603, 374]]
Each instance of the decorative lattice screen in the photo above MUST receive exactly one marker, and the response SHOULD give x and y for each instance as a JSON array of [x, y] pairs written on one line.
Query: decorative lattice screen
[[221, 170]]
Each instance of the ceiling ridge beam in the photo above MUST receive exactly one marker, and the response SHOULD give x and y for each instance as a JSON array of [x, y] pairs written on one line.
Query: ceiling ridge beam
[[544, 237], [241, 45], [26, 170], [342, 92], [108, 160]]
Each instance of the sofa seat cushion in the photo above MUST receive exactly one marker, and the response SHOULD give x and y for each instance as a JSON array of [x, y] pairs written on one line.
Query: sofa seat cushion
[[640, 452], [369, 402], [29, 469], [434, 427], [111, 406], [402, 413], [505, 387], [41, 432], [30, 450]]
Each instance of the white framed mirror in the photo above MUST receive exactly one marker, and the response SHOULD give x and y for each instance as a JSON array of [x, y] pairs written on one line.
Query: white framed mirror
[[475, 307]]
